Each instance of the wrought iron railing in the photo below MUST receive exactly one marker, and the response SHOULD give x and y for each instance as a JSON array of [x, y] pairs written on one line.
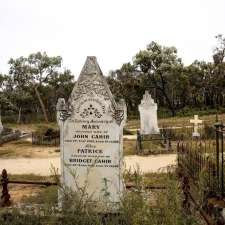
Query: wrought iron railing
[[204, 160]]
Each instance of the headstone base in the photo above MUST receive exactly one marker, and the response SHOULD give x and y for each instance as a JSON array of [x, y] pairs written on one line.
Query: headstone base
[[196, 134]]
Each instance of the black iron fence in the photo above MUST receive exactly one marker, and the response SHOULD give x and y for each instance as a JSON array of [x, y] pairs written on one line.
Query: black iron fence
[[5, 180], [203, 160], [38, 139]]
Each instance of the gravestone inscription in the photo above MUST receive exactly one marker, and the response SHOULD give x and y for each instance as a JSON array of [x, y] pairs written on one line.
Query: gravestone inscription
[[91, 126]]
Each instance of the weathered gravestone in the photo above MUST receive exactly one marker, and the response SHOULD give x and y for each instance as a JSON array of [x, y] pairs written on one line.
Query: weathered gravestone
[[91, 127], [148, 115]]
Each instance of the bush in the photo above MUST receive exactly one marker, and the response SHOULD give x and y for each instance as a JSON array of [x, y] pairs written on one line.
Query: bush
[[135, 209], [208, 132]]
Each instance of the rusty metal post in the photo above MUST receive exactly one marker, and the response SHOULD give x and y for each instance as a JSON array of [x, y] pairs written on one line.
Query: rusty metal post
[[170, 145], [186, 200], [178, 154], [217, 125], [222, 161], [5, 193], [139, 145]]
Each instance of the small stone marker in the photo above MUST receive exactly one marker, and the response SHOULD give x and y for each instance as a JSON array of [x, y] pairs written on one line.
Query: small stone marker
[[91, 127], [196, 121], [148, 115]]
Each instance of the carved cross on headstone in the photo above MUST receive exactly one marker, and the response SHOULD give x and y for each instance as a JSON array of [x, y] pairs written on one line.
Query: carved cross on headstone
[[196, 121]]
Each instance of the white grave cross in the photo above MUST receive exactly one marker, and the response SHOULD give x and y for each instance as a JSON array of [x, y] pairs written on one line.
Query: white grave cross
[[196, 121]]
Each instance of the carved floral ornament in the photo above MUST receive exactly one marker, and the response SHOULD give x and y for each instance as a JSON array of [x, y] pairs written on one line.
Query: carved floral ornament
[[90, 87], [90, 111], [147, 100], [91, 84]]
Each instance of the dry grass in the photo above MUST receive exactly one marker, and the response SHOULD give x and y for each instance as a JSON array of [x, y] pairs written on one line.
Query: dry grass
[[185, 121], [19, 192], [129, 147], [32, 126], [149, 147], [176, 121], [131, 124], [31, 193], [24, 148]]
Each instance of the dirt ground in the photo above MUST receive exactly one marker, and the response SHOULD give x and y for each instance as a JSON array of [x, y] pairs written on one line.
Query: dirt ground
[[24, 148], [18, 192]]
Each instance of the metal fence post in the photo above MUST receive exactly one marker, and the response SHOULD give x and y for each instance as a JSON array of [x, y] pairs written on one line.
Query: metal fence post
[[217, 125], [5, 193], [222, 162]]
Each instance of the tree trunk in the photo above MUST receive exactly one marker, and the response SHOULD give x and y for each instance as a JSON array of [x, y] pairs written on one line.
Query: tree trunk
[[41, 103], [169, 103], [19, 116]]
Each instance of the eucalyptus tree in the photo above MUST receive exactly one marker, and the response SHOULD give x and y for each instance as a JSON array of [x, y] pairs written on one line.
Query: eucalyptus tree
[[219, 69], [33, 72], [163, 70], [125, 83]]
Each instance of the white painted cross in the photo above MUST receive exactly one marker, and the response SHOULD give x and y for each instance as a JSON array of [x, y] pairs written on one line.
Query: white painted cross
[[196, 121]]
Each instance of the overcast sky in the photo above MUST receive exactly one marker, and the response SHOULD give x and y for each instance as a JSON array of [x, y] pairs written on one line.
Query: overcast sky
[[112, 30]]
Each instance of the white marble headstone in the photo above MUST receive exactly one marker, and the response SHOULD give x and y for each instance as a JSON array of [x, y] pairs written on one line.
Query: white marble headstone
[[91, 126], [148, 115]]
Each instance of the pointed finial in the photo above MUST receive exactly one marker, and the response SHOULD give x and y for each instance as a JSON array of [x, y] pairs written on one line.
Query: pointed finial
[[91, 66]]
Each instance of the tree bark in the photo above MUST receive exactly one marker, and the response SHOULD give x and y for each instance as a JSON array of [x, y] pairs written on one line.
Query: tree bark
[[41, 103], [162, 89], [19, 116]]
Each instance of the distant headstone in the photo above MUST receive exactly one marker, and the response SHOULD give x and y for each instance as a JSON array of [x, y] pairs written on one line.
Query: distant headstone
[[196, 121], [1, 126], [91, 127], [148, 115]]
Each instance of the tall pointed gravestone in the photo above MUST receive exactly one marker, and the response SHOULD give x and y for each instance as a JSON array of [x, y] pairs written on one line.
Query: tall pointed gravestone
[[148, 115], [91, 127]]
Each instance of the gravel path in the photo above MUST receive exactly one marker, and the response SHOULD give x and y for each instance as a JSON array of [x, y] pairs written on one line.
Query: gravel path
[[42, 166]]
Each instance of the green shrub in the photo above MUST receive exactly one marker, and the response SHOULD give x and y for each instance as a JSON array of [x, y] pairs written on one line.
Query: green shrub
[[135, 209]]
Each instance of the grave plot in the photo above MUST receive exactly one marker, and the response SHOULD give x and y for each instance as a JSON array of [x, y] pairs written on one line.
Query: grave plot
[[47, 137], [148, 198], [24, 149], [201, 170], [93, 188]]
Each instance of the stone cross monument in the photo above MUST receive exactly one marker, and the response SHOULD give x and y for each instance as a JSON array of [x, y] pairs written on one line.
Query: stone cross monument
[[196, 121], [148, 115], [91, 138]]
